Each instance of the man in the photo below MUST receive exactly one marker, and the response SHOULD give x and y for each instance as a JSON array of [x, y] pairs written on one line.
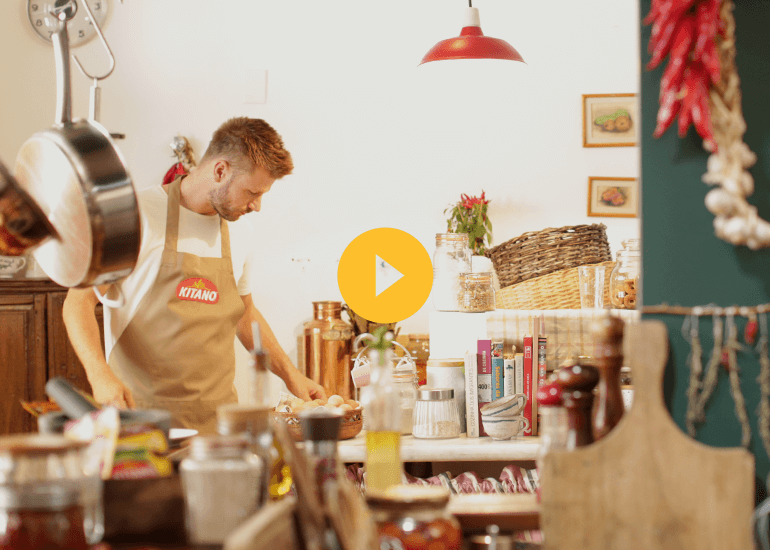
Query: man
[[170, 345]]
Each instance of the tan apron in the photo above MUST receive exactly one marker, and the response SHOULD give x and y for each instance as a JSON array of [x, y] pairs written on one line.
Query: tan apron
[[177, 352]]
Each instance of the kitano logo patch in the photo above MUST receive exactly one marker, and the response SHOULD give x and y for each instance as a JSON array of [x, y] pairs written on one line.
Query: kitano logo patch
[[198, 289]]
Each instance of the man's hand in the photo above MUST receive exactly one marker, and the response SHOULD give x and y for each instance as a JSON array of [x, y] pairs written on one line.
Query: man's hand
[[304, 387], [109, 390]]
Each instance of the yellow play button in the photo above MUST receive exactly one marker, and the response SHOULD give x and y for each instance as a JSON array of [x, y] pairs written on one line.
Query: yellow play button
[[385, 275]]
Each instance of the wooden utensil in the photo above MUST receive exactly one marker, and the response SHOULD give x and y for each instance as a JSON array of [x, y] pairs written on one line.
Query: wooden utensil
[[607, 332], [646, 484]]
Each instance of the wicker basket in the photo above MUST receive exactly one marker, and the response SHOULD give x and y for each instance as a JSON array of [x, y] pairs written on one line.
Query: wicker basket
[[557, 290], [542, 252], [352, 423]]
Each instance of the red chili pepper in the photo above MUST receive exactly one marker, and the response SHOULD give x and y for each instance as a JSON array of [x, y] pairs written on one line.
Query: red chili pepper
[[707, 17], [701, 119], [680, 53], [710, 59], [689, 93], [655, 11], [750, 332], [669, 107], [662, 32]]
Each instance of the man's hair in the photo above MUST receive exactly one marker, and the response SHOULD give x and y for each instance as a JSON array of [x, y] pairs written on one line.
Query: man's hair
[[244, 138]]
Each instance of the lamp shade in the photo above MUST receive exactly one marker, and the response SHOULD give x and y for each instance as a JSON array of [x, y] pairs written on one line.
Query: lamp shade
[[472, 44]]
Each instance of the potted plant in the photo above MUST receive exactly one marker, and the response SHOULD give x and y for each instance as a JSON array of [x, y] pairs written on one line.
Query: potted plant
[[469, 215]]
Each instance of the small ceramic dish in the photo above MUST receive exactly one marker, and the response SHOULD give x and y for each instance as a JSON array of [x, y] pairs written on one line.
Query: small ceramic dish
[[502, 428], [510, 405]]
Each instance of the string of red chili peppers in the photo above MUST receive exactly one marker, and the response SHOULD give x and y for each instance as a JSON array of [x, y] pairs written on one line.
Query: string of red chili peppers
[[686, 31]]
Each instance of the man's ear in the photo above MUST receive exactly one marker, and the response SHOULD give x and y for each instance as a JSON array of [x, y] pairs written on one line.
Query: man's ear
[[221, 168]]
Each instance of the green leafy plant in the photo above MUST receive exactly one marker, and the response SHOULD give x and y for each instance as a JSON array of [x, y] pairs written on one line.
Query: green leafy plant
[[469, 215]]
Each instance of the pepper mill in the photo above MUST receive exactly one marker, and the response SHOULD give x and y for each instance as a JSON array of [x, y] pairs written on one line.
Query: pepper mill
[[578, 382], [608, 357]]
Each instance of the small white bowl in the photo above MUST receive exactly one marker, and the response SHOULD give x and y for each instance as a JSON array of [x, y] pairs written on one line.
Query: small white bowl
[[510, 405], [502, 428]]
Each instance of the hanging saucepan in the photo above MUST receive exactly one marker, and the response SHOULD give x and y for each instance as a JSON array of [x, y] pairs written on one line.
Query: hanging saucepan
[[22, 223], [78, 178]]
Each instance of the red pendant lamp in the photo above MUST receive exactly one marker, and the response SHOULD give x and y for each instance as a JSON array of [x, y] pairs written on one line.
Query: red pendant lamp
[[472, 44]]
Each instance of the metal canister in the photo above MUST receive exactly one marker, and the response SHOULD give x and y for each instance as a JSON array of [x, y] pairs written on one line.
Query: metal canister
[[327, 349]]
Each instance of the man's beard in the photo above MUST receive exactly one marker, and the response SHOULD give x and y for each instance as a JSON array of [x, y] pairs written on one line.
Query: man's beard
[[221, 203]]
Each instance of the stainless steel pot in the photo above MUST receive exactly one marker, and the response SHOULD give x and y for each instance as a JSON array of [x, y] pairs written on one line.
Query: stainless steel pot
[[22, 223], [79, 179]]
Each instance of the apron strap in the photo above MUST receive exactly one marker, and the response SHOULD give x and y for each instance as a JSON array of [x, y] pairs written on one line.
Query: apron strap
[[172, 222]]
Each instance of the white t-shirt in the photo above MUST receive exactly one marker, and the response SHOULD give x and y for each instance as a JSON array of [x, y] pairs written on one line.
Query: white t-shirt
[[198, 234]]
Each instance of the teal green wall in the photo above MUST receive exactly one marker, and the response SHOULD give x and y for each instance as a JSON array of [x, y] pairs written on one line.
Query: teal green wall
[[684, 263]]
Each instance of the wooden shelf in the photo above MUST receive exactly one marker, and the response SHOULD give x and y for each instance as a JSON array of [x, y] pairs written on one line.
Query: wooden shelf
[[447, 450]]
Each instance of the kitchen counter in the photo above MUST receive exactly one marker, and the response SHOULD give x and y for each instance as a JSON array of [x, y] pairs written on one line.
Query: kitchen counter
[[447, 450]]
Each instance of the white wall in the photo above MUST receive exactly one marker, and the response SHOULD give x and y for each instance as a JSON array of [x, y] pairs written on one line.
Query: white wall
[[376, 140]]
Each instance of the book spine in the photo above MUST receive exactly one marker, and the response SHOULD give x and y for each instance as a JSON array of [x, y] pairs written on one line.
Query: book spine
[[518, 366], [509, 378], [542, 363], [484, 370], [472, 417], [498, 371], [529, 382]]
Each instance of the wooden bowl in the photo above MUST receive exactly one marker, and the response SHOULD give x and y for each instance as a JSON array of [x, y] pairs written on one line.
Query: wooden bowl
[[352, 423]]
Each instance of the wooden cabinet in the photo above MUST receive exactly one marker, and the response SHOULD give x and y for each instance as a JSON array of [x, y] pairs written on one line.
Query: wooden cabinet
[[34, 347]]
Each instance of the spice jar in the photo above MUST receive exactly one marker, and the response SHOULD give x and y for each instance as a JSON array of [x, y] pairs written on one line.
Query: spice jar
[[450, 373], [221, 480], [41, 516], [476, 293], [624, 279], [411, 517], [419, 348], [451, 257], [405, 382], [47, 459], [435, 414]]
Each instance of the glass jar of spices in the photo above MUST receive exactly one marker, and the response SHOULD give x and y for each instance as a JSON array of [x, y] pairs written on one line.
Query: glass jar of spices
[[411, 517], [419, 348], [476, 292], [451, 257], [405, 382], [221, 480], [435, 414], [624, 279]]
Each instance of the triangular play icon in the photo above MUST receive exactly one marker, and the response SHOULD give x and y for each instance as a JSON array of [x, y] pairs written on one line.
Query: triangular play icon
[[385, 275]]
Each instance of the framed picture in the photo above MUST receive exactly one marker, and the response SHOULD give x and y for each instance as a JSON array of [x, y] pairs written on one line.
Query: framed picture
[[610, 120], [613, 197]]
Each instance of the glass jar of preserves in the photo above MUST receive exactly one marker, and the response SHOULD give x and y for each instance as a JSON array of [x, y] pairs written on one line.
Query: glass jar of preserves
[[476, 292], [413, 517], [405, 382], [451, 257], [39, 460], [221, 481], [435, 414], [419, 348], [624, 280]]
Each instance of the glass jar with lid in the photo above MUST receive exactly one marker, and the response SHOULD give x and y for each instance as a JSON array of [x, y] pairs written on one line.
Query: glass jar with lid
[[419, 348], [412, 517], [476, 292], [624, 280], [435, 414], [221, 481], [41, 461], [451, 257], [405, 383]]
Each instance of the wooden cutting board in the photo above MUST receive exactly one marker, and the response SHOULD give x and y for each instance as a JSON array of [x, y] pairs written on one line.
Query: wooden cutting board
[[647, 485]]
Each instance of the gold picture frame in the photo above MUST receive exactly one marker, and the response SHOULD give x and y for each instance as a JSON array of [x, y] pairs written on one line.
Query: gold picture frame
[[610, 120], [613, 197]]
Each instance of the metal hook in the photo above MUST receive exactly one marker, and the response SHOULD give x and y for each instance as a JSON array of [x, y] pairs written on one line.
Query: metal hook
[[94, 107]]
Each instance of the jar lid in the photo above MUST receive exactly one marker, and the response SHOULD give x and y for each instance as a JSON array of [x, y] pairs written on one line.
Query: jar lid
[[320, 424], [28, 444], [442, 363], [482, 276], [234, 418], [452, 237], [419, 337], [435, 394], [407, 497]]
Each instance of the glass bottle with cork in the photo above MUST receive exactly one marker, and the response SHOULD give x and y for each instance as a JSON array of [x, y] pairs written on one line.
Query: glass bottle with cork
[[381, 403]]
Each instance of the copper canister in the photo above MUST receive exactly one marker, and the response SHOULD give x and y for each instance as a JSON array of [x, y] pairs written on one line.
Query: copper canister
[[327, 349]]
